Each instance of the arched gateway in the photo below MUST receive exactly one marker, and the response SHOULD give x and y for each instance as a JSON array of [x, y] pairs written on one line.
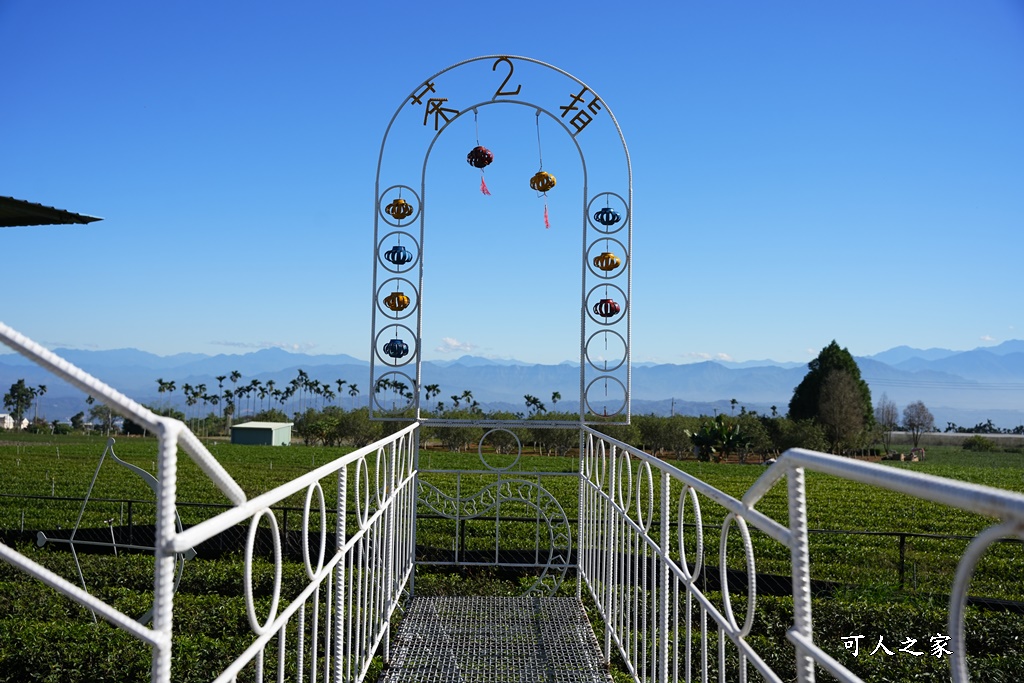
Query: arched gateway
[[553, 100]]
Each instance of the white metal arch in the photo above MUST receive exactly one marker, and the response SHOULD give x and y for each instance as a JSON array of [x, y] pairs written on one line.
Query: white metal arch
[[392, 364]]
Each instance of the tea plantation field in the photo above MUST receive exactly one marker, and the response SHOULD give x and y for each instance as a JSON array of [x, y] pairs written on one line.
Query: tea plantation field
[[891, 583]]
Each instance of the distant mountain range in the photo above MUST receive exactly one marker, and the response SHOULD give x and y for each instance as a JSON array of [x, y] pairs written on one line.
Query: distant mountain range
[[965, 387]]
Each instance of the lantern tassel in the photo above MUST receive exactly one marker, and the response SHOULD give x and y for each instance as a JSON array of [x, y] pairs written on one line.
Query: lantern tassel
[[547, 223], [483, 186]]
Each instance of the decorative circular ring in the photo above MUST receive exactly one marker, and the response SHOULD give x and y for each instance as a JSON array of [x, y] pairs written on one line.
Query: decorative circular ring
[[480, 450], [623, 458], [748, 550], [362, 492], [593, 361], [603, 245], [400, 286], [645, 472], [383, 476], [391, 347], [384, 205], [398, 251], [250, 608], [310, 572], [613, 316], [600, 463], [615, 226], [590, 407], [408, 402], [698, 522], [962, 584]]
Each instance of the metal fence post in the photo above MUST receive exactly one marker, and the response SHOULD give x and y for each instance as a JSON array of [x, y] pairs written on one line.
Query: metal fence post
[[339, 576], [800, 554], [663, 582], [611, 574], [164, 560]]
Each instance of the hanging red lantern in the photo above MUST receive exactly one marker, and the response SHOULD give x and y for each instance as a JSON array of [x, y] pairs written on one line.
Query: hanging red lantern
[[479, 157], [399, 209], [397, 301], [607, 261], [606, 308]]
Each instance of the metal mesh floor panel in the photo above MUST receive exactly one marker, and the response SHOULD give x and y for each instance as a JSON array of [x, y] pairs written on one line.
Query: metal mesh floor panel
[[494, 640]]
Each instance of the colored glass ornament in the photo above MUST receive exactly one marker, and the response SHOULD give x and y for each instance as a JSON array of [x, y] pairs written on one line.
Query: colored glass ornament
[[399, 209], [607, 261], [398, 255], [396, 348], [606, 308], [607, 217], [397, 301], [542, 181], [480, 157]]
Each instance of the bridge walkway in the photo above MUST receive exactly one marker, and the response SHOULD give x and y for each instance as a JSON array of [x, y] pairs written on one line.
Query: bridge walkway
[[495, 640]]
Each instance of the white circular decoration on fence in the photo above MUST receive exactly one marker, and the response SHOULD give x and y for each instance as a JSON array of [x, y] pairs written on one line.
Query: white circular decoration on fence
[[250, 609], [310, 571], [748, 550], [699, 562]]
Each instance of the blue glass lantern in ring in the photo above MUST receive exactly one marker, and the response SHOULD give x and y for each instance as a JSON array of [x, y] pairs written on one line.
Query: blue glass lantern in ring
[[607, 217], [398, 255], [396, 348]]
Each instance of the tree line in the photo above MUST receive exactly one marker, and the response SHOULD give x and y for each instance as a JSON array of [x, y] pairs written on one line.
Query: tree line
[[830, 410]]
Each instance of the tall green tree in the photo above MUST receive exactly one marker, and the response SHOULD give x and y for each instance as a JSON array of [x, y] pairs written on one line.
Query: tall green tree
[[806, 401], [18, 400], [839, 410]]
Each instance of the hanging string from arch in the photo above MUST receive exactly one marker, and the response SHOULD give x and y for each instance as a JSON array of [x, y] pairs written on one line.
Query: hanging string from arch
[[542, 181], [480, 157]]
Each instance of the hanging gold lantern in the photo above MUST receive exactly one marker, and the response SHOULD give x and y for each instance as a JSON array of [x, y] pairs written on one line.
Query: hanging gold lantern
[[542, 181], [399, 209], [607, 261], [396, 301]]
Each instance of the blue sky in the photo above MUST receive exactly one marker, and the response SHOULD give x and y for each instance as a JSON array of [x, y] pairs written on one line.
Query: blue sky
[[802, 172]]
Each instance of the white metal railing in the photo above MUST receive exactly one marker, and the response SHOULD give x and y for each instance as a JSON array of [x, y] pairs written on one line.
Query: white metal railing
[[650, 595], [345, 606]]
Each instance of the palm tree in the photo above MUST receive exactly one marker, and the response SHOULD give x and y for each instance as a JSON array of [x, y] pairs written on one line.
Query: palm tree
[[353, 390], [534, 405], [431, 390], [201, 395], [229, 407], [253, 388], [341, 385], [271, 391], [220, 388], [38, 394], [555, 397]]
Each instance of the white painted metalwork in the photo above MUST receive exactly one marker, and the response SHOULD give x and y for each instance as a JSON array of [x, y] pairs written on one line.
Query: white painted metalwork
[[180, 558], [353, 587], [647, 587], [400, 237]]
